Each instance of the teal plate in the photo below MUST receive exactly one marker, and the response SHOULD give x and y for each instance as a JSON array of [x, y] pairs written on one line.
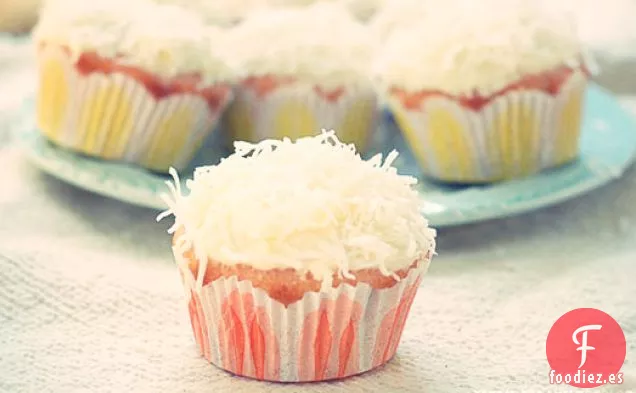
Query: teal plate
[[607, 149]]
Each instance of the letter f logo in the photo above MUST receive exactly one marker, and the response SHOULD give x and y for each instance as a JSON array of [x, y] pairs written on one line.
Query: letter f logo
[[583, 344]]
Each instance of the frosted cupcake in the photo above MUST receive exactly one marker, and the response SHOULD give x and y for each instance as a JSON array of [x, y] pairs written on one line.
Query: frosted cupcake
[[129, 81], [484, 96], [300, 260], [306, 68]]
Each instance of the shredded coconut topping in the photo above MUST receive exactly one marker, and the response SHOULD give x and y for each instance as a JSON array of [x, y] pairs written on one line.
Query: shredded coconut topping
[[224, 13], [313, 205], [361, 9], [164, 39], [396, 14], [321, 44], [467, 46]]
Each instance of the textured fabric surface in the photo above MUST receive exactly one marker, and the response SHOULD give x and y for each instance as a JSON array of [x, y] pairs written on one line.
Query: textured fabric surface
[[90, 300]]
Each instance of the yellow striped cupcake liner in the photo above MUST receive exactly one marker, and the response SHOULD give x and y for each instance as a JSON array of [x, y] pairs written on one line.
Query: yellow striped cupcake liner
[[296, 110], [114, 117], [518, 134]]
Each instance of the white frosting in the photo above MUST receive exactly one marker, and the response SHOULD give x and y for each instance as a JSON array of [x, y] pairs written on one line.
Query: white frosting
[[398, 14], [293, 3], [467, 46], [361, 9], [320, 44], [364, 9], [83, 25], [224, 13], [312, 205], [163, 39]]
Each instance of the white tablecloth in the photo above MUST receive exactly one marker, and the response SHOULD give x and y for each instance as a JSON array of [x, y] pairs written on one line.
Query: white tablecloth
[[90, 300]]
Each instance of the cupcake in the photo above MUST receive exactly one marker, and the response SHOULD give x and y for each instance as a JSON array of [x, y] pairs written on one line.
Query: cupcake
[[304, 68], [300, 260], [484, 96], [129, 81]]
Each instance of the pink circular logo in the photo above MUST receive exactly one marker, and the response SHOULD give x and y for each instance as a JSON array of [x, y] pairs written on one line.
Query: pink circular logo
[[585, 349]]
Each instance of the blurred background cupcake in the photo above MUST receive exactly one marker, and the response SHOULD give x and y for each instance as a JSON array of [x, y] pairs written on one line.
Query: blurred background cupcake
[[131, 81], [317, 76], [18, 16], [483, 96]]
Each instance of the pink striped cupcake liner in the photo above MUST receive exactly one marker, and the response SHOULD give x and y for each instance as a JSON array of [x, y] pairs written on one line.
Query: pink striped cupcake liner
[[325, 335]]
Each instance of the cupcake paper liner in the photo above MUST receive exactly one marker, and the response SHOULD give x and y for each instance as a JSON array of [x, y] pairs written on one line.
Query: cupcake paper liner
[[518, 134], [296, 110], [323, 336], [115, 117]]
